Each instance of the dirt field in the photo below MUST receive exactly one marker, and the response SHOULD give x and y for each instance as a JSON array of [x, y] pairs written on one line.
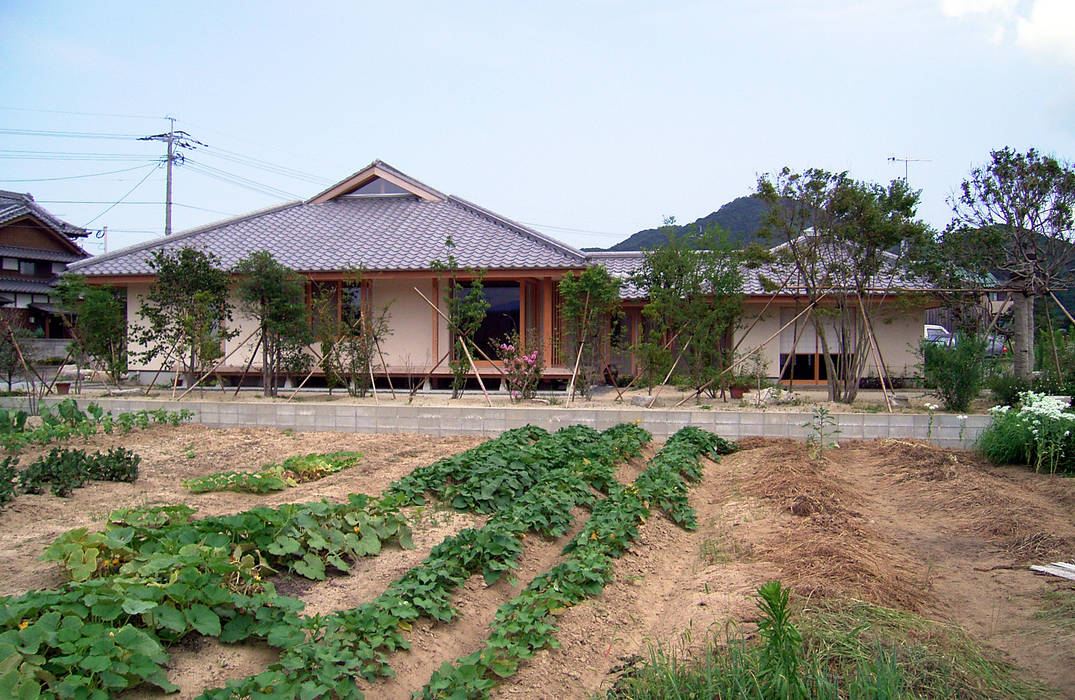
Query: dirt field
[[934, 532]]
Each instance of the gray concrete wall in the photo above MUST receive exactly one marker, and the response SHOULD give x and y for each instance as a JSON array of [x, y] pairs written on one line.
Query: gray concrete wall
[[946, 430]]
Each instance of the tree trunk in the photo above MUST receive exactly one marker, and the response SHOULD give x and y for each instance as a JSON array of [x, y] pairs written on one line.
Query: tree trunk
[[1023, 310], [266, 369]]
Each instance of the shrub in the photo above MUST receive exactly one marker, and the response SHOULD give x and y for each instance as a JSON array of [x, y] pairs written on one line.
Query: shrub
[[955, 372], [1007, 387], [1038, 433]]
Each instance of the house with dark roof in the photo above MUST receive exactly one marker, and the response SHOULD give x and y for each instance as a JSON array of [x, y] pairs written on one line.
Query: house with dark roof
[[35, 249], [392, 227]]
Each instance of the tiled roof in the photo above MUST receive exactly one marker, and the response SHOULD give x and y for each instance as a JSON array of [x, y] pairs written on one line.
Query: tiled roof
[[758, 281], [14, 251], [390, 232], [24, 286], [15, 204]]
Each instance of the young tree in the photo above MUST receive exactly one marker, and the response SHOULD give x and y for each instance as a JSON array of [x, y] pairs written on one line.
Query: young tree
[[99, 321], [844, 240], [1028, 199], [589, 301], [694, 284], [274, 295], [466, 307], [186, 310]]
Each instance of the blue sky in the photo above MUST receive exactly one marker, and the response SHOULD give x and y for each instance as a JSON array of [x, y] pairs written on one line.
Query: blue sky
[[588, 120]]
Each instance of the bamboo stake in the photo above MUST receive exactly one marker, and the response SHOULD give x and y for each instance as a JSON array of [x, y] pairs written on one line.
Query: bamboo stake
[[70, 349], [763, 310], [744, 357], [1062, 308], [384, 364], [876, 353], [474, 367], [373, 383], [791, 356], [22, 359], [320, 361], [575, 372], [164, 363], [634, 379], [249, 363], [218, 364], [175, 381], [668, 376]]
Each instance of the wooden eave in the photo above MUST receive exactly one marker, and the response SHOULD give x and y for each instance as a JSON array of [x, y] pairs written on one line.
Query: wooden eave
[[64, 240]]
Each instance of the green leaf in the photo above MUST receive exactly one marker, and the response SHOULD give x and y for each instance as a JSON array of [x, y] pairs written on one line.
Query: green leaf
[[170, 618], [204, 620], [311, 567], [95, 664], [133, 606]]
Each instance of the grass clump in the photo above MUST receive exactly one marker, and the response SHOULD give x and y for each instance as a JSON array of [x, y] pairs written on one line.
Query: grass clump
[[1058, 607], [833, 649]]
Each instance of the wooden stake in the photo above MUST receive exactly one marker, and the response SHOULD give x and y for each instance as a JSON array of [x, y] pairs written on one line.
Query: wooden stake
[[373, 383], [218, 364], [70, 349], [634, 379], [456, 329], [384, 364], [414, 389], [250, 362], [575, 372], [668, 376], [876, 353], [1062, 308], [474, 367], [164, 363]]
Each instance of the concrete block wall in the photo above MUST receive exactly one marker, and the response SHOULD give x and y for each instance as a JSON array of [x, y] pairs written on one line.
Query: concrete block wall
[[943, 429]]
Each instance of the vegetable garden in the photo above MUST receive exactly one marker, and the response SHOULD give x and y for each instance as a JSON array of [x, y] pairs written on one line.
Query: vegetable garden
[[641, 542]]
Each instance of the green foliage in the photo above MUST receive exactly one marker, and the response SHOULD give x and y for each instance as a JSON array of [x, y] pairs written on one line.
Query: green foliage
[[527, 624], [66, 420], [273, 295], [62, 471], [276, 477], [695, 294], [956, 372], [186, 309], [589, 301], [9, 479], [823, 431], [1006, 387], [99, 315], [522, 369], [1038, 432], [10, 363], [839, 649]]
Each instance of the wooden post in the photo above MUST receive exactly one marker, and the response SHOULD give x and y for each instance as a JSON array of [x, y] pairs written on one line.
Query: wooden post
[[454, 328], [546, 320], [463, 344], [575, 372], [373, 383], [218, 364]]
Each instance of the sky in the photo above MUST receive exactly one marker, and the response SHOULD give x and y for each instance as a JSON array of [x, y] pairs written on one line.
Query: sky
[[587, 120]]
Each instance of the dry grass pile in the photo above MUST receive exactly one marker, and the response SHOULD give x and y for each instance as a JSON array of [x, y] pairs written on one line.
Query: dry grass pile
[[826, 547], [919, 461]]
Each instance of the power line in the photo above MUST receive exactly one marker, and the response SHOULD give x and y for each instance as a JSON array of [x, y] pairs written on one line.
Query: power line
[[69, 134], [108, 201], [239, 180], [80, 114], [594, 234], [11, 154], [76, 177], [266, 166], [123, 197]]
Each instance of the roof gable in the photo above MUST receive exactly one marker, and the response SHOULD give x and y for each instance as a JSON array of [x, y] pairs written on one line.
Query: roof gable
[[16, 205], [378, 170]]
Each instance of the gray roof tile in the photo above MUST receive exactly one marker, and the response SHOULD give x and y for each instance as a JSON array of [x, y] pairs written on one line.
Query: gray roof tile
[[16, 204]]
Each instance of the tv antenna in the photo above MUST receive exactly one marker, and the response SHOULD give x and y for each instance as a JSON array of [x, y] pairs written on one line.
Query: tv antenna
[[906, 161]]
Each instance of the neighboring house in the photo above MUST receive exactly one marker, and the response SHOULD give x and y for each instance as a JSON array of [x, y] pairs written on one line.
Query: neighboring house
[[35, 250], [393, 227]]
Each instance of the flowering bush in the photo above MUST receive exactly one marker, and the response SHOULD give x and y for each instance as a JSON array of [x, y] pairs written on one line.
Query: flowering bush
[[1038, 433], [522, 369]]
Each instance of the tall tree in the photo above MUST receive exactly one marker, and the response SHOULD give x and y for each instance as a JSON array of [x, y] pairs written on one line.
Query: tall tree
[[274, 295], [1028, 199], [99, 320], [694, 285], [186, 312], [844, 240]]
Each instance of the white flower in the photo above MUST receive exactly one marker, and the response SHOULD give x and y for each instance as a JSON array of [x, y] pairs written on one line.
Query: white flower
[[932, 406]]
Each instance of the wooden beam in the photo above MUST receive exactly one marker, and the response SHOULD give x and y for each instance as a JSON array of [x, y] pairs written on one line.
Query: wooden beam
[[436, 318], [546, 320]]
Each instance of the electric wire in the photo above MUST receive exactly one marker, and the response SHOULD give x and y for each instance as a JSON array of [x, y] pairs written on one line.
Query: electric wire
[[70, 134], [239, 180], [75, 177], [80, 114], [108, 201], [113, 206]]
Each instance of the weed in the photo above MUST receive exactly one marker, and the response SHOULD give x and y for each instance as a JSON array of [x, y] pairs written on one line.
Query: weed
[[722, 548], [1058, 607], [823, 431]]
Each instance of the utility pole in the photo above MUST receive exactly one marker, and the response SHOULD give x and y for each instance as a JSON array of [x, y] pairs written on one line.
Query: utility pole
[[175, 140], [905, 161]]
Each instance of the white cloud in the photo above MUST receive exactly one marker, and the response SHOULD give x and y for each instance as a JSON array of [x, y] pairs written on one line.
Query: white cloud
[[1049, 28], [1039, 26]]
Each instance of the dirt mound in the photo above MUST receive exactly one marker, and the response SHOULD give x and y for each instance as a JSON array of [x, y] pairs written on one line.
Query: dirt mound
[[802, 486], [919, 461]]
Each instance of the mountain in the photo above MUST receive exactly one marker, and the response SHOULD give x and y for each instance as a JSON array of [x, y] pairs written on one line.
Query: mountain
[[740, 219]]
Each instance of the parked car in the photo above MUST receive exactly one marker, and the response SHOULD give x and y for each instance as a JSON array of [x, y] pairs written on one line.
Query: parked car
[[995, 346]]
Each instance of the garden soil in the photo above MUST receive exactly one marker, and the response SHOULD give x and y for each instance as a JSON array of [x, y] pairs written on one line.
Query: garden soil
[[935, 532]]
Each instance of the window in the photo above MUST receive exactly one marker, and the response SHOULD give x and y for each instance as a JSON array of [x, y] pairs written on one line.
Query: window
[[11, 264], [380, 186], [501, 319], [27, 267], [58, 268]]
